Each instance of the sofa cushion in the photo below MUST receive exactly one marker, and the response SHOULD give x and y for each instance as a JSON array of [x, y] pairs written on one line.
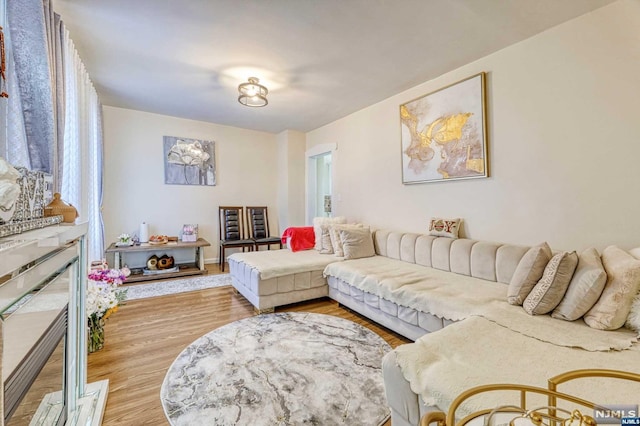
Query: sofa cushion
[[441, 293], [551, 288], [584, 289], [439, 227], [317, 227], [334, 232], [623, 281], [325, 237], [357, 243], [528, 273]]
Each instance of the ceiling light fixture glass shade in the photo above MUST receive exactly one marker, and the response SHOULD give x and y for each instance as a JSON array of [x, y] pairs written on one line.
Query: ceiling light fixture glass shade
[[252, 93]]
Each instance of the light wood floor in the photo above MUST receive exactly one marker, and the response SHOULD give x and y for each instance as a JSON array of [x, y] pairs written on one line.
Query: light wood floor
[[145, 336]]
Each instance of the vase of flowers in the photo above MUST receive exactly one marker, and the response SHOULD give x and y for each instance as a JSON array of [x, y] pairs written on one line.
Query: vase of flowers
[[103, 298]]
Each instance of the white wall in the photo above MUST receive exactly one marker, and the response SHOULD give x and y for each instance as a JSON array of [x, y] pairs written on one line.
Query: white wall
[[291, 176], [134, 188], [563, 126]]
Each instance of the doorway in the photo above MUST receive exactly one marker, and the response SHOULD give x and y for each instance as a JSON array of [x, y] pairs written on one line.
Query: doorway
[[319, 184]]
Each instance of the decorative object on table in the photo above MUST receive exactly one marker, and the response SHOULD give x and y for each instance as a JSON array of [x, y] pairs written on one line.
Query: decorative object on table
[[124, 240], [23, 195], [252, 93], [99, 264], [58, 207], [158, 239], [190, 233], [189, 161], [144, 233], [152, 263], [9, 190], [443, 134], [103, 298], [325, 355], [165, 262]]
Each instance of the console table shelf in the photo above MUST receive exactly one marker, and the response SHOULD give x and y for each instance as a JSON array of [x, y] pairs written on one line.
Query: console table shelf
[[196, 268]]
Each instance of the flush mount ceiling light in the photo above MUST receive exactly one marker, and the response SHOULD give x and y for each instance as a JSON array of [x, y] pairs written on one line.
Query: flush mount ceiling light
[[252, 93]]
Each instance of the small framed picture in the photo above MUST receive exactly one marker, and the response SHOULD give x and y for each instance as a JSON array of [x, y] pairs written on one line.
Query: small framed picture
[[190, 233]]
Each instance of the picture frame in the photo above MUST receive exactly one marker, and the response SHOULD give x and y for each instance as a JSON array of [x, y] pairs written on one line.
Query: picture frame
[[189, 233], [189, 161], [443, 134]]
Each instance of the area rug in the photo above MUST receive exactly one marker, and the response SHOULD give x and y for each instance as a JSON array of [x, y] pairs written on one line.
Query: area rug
[[162, 288], [287, 368]]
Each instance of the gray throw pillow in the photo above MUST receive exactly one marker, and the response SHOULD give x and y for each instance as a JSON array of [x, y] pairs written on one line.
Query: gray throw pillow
[[357, 243], [551, 288], [528, 273], [585, 287]]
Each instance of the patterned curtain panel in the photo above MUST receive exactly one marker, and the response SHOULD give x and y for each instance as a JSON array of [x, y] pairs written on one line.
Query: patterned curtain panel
[[28, 35]]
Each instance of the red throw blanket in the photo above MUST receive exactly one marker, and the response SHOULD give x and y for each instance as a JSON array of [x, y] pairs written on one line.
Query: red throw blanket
[[302, 238]]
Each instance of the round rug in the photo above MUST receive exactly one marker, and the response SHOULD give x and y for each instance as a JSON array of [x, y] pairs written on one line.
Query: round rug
[[279, 369]]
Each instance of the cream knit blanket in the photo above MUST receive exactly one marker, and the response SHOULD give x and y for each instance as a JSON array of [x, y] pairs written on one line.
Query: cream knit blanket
[[457, 297], [278, 263], [476, 351]]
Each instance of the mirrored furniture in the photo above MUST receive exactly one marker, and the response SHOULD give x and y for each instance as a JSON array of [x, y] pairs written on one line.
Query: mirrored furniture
[[43, 330]]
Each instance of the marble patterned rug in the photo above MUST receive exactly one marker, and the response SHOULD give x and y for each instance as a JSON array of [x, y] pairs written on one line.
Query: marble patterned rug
[[289, 368], [162, 288]]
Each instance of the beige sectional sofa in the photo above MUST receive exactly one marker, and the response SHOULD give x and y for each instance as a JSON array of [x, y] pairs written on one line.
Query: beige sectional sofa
[[419, 284]]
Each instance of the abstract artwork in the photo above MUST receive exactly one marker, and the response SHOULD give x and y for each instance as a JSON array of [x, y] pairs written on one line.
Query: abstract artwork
[[189, 161], [443, 134]]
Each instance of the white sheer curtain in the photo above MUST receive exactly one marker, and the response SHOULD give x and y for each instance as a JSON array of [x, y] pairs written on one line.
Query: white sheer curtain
[[82, 151]]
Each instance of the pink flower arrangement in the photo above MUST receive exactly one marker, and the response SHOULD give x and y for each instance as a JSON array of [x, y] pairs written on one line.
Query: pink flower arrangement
[[113, 277]]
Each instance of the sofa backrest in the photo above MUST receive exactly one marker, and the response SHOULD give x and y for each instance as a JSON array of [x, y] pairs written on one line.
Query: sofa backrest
[[479, 259]]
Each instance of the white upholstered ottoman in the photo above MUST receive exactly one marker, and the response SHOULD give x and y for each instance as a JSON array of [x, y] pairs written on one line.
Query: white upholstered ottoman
[[279, 277]]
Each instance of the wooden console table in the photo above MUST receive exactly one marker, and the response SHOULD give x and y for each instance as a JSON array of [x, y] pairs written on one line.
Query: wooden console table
[[196, 268]]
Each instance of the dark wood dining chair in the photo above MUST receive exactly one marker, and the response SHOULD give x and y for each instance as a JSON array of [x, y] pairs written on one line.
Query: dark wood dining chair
[[232, 233], [258, 226]]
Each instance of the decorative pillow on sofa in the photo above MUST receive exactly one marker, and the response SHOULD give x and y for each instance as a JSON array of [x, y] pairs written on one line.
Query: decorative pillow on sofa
[[623, 282], [317, 224], [585, 287], [325, 239], [449, 228], [357, 243], [336, 242], [551, 288], [528, 273], [633, 320]]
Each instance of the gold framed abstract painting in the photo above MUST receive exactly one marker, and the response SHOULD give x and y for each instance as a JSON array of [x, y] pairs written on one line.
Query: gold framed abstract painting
[[443, 134]]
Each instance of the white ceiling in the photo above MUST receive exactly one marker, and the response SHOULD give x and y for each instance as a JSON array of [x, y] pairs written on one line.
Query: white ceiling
[[320, 59]]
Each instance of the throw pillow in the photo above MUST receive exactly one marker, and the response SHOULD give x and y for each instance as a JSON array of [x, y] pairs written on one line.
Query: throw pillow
[[623, 281], [585, 287], [357, 243], [528, 273], [633, 320], [551, 288], [336, 242], [327, 246], [449, 228], [317, 230]]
